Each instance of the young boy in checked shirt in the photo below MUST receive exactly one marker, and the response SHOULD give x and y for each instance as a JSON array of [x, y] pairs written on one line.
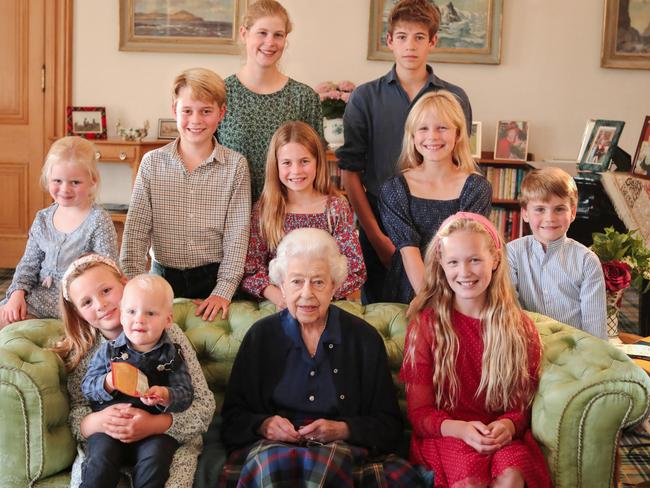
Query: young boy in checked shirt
[[191, 202]]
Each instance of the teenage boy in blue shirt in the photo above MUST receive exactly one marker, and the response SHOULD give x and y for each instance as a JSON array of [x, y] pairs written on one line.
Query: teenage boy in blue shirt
[[374, 126]]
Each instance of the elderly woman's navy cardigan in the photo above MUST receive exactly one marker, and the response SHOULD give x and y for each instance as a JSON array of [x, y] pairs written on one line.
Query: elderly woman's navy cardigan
[[367, 397]]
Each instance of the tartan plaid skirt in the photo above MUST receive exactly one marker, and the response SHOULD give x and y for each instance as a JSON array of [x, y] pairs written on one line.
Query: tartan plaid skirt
[[338, 464]]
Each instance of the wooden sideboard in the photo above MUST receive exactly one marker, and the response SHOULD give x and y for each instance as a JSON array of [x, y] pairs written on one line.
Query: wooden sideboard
[[124, 152]]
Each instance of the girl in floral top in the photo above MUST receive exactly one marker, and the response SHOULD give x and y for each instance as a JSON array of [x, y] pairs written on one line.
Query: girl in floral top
[[260, 98], [298, 192]]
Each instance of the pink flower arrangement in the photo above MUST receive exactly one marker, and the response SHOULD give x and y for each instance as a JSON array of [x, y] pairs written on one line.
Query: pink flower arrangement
[[334, 97]]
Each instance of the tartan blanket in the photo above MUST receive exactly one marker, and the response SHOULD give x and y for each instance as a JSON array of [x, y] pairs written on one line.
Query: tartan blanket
[[269, 463]]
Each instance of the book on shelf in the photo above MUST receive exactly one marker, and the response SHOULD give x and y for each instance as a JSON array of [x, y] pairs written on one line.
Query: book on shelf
[[505, 181], [508, 222]]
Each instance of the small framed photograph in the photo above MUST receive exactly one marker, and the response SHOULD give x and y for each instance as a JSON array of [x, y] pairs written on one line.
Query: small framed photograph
[[585, 138], [511, 142], [475, 140], [641, 162], [602, 140], [88, 122], [167, 129]]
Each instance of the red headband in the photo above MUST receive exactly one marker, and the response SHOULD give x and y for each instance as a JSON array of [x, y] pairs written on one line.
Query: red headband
[[489, 226]]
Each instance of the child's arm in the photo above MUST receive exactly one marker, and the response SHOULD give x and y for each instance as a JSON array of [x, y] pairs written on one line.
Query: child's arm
[[348, 241], [235, 245], [396, 216], [96, 386], [478, 198], [103, 239], [593, 297], [256, 268], [139, 223]]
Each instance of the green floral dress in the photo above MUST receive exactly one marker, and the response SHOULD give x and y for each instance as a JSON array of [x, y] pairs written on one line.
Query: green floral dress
[[251, 119]]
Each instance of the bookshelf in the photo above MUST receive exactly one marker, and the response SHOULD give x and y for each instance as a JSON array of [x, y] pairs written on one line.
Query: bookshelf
[[505, 176]]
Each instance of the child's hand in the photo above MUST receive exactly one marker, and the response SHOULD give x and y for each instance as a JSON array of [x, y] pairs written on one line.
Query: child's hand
[[477, 435], [502, 431], [15, 309], [211, 306], [108, 382], [156, 395]]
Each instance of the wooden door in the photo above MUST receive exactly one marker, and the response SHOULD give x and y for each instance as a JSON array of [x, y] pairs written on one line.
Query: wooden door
[[34, 89]]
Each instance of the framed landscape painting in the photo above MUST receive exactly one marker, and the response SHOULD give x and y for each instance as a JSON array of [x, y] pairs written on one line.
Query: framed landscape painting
[[88, 122], [626, 34], [470, 31], [192, 26]]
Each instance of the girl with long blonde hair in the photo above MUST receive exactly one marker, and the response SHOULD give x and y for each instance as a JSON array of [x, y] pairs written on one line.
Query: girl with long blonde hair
[[438, 178], [91, 292], [471, 365], [298, 192]]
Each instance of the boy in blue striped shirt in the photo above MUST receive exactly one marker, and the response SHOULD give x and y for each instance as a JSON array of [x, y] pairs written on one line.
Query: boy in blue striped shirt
[[553, 274]]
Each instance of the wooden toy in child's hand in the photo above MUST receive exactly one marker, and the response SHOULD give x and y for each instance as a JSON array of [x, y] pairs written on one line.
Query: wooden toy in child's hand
[[128, 379]]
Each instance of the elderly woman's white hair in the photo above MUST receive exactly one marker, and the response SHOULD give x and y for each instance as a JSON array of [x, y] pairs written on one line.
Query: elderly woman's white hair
[[309, 243]]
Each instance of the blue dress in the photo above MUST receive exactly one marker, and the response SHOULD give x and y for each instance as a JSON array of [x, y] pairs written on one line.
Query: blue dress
[[49, 253], [413, 221]]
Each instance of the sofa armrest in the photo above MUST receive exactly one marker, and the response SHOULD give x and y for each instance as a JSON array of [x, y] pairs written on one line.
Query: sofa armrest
[[588, 392], [35, 439]]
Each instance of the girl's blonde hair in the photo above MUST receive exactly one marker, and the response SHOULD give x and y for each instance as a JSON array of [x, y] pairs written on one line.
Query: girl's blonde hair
[[448, 110], [273, 200], [80, 336], [505, 376], [72, 150], [266, 8]]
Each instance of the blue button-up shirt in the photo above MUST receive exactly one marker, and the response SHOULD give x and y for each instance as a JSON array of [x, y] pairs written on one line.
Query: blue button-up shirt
[[166, 360], [373, 125], [306, 391], [565, 282]]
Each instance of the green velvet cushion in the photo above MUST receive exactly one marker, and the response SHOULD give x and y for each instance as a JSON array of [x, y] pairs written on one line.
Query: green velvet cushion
[[588, 391]]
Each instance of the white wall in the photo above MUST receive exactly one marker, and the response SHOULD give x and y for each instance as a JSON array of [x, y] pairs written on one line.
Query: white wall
[[549, 74]]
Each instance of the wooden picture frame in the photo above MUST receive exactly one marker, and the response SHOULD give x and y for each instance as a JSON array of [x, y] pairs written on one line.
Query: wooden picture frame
[[454, 44], [641, 161], [624, 44], [475, 140], [511, 141], [208, 26], [88, 122], [167, 129], [604, 137]]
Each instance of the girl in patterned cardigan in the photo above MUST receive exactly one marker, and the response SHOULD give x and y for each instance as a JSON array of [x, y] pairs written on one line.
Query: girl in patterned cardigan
[[298, 192]]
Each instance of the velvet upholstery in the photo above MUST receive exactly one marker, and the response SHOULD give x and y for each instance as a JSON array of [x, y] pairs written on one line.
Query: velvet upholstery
[[588, 391]]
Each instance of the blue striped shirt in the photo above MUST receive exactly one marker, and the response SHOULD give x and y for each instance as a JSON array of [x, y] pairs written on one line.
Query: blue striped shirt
[[565, 282]]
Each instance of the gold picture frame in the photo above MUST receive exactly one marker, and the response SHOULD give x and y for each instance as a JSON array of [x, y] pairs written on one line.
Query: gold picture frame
[[454, 45], [210, 26], [623, 46]]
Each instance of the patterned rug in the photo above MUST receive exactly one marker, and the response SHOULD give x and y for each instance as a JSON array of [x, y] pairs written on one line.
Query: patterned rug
[[631, 198]]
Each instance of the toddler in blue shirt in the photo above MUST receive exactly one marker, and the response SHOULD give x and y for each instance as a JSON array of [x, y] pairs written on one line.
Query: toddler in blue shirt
[[146, 311]]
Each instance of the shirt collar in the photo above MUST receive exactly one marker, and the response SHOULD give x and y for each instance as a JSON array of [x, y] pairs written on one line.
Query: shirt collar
[[331, 334], [122, 341], [217, 154], [434, 81], [552, 246]]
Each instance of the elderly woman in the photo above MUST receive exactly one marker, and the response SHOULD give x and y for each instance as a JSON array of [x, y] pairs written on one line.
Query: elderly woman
[[310, 397]]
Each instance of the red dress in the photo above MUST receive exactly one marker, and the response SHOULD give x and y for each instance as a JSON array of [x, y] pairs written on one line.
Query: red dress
[[449, 458]]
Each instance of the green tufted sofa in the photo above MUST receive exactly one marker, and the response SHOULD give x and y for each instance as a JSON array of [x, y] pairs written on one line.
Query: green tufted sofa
[[588, 392]]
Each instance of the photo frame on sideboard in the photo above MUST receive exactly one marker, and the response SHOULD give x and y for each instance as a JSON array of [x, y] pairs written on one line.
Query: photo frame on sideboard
[[167, 129], [641, 161], [88, 122], [602, 140], [473, 37], [511, 141]]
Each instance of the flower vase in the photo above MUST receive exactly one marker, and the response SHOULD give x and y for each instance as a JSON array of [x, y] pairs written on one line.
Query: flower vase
[[333, 131], [613, 307]]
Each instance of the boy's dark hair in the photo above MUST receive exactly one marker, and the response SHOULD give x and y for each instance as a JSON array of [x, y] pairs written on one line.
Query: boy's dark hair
[[417, 11]]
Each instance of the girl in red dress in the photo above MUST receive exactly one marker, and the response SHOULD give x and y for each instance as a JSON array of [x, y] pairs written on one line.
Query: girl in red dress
[[471, 365]]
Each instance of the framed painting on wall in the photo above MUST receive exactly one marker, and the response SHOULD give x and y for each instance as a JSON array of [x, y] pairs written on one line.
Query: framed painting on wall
[[470, 31], [199, 26], [641, 163], [626, 34]]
